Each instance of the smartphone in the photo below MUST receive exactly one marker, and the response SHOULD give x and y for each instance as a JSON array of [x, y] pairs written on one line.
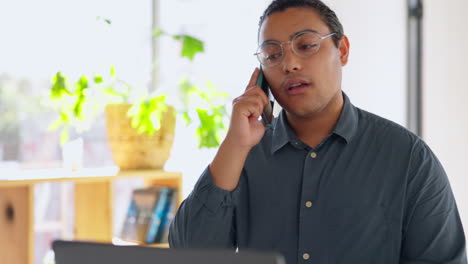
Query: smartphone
[[267, 114]]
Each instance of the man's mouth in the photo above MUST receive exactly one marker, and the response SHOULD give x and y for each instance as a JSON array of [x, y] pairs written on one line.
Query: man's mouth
[[297, 86]]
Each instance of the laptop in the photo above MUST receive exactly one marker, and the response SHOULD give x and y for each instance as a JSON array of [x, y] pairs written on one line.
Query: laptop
[[76, 252]]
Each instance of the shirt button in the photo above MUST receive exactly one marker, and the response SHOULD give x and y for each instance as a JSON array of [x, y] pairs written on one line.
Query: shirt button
[[308, 204], [305, 256], [313, 155]]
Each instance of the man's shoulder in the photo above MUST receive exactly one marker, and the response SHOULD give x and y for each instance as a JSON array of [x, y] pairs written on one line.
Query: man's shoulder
[[397, 139], [393, 143], [381, 128]]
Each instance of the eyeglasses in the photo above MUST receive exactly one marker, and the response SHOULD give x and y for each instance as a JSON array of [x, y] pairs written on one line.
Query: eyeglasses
[[304, 44]]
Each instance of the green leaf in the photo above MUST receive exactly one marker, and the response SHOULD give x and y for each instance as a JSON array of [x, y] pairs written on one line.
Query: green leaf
[[110, 91], [59, 86], [106, 20], [64, 117], [158, 32], [142, 128], [112, 72], [56, 124], [186, 87], [98, 79], [81, 86], [186, 117], [190, 46], [211, 113], [146, 116], [210, 128]]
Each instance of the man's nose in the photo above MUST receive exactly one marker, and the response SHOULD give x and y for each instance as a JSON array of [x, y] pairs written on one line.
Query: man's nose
[[291, 61]]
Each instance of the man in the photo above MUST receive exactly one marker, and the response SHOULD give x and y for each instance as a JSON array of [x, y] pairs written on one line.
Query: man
[[327, 182]]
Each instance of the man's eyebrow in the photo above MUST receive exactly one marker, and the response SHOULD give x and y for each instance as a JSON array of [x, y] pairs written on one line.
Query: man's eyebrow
[[302, 31], [293, 34]]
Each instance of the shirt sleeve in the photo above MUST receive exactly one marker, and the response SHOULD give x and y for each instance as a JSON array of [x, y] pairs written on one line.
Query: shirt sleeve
[[432, 229], [206, 218]]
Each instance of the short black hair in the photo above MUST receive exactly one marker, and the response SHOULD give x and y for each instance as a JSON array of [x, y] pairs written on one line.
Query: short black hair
[[327, 15]]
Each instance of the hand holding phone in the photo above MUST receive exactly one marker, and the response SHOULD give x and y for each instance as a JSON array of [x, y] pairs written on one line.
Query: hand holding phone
[[267, 114]]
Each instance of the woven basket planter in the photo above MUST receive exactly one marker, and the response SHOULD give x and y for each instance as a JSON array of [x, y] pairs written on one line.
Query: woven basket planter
[[131, 150]]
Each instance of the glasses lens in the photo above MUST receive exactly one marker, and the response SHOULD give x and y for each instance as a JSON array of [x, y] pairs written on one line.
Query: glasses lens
[[269, 54], [307, 44]]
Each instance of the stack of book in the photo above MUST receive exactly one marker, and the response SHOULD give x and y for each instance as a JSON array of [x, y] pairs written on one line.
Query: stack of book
[[149, 215]]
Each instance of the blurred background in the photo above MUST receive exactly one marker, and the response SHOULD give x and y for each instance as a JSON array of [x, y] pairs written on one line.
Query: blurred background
[[406, 64]]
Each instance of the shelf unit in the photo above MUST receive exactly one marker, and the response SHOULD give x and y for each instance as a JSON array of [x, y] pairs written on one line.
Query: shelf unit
[[93, 197]]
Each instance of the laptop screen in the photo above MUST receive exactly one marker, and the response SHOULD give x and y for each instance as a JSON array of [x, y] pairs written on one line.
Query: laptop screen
[[75, 252]]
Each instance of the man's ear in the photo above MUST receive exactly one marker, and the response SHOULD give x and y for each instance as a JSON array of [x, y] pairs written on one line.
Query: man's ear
[[344, 50]]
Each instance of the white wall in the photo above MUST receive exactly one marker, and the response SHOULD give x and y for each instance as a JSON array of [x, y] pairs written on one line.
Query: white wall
[[374, 79], [39, 38], [445, 121]]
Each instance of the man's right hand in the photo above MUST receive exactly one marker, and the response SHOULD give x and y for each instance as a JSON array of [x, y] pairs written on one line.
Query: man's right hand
[[245, 130]]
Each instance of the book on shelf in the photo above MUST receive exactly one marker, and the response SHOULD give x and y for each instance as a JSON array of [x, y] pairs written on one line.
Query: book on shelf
[[147, 215], [129, 225], [139, 214], [163, 236]]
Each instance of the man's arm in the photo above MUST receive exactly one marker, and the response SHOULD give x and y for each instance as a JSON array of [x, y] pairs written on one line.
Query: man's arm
[[206, 217], [432, 231]]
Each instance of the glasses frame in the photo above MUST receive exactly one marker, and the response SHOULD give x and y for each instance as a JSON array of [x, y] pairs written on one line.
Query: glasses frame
[[292, 47]]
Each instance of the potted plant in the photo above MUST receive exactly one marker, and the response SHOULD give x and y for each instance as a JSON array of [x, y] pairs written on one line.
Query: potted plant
[[140, 133]]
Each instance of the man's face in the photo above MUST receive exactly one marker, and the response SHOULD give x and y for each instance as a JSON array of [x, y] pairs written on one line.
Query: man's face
[[321, 73]]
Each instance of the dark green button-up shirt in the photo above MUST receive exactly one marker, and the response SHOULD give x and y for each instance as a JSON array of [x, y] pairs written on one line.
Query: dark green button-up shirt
[[371, 193]]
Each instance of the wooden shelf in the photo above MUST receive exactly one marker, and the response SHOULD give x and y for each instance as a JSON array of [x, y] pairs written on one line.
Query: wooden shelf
[[93, 197], [31, 177]]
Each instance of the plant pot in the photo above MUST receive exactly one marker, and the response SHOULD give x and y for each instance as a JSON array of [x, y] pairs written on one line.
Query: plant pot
[[131, 150]]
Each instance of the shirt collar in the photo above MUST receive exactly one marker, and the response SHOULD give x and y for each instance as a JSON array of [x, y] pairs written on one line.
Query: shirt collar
[[346, 126], [282, 132]]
